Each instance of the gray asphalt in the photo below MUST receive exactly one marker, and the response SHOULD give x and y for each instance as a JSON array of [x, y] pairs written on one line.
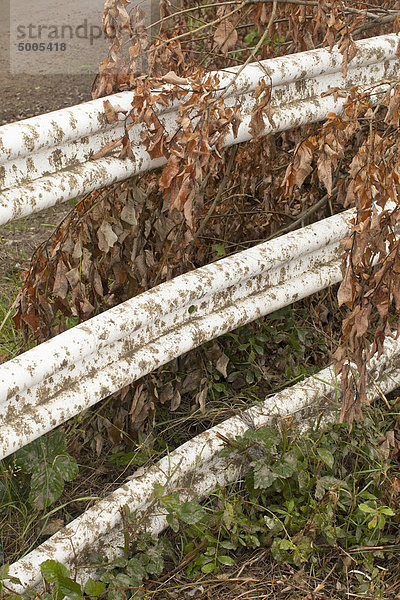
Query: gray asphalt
[[47, 37]]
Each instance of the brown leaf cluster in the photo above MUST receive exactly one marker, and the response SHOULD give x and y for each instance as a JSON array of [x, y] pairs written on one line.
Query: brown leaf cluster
[[357, 156], [339, 32]]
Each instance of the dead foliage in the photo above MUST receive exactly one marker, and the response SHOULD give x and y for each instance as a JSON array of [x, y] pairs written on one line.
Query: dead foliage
[[129, 237]]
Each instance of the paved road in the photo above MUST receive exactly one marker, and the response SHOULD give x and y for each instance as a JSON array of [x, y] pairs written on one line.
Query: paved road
[[32, 90], [50, 37], [42, 81]]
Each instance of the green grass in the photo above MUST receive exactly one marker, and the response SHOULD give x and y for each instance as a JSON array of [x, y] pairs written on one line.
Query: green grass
[[11, 342]]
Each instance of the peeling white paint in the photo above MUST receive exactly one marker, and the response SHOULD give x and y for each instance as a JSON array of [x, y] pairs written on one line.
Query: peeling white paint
[[46, 160]]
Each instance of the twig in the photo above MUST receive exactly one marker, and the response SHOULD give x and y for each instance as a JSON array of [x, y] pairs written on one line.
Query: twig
[[215, 22], [184, 562], [377, 21], [217, 196], [303, 215], [388, 547], [356, 11], [191, 9], [381, 394], [321, 585], [188, 586], [396, 401], [252, 561], [312, 3], [256, 49]]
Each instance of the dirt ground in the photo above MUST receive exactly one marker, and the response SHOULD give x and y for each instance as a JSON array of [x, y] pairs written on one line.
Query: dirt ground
[[23, 97], [30, 94]]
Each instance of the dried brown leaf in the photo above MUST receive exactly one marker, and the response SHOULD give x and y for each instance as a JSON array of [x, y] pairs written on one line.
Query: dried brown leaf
[[174, 79], [167, 393], [225, 36], [201, 398], [106, 237], [324, 165], [60, 287], [176, 400], [110, 112], [73, 277], [221, 365], [170, 171], [346, 290]]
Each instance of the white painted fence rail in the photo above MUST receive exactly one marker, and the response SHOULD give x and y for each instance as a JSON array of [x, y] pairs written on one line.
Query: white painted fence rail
[[102, 355], [58, 379], [47, 159], [224, 295]]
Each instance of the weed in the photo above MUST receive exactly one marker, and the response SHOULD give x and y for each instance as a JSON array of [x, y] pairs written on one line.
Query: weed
[[146, 450], [312, 499], [219, 249], [253, 37], [32, 480], [48, 464], [17, 225], [298, 348], [11, 342], [304, 497]]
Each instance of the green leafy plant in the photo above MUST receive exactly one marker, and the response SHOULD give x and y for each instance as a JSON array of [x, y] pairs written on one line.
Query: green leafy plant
[[48, 465], [126, 575], [6, 579], [254, 36], [300, 350], [376, 515], [32, 480], [305, 497], [219, 249], [58, 580], [314, 496]]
